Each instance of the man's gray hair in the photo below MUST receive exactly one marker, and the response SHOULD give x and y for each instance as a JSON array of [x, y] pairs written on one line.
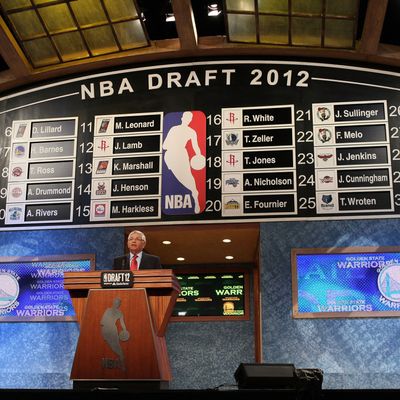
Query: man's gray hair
[[142, 235]]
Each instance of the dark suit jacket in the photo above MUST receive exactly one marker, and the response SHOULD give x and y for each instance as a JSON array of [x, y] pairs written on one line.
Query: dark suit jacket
[[148, 261]]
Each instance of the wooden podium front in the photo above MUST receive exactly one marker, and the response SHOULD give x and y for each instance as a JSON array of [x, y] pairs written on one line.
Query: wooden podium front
[[122, 331]]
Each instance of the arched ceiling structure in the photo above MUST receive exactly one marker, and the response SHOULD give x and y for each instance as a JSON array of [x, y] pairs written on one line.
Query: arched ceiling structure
[[193, 34]]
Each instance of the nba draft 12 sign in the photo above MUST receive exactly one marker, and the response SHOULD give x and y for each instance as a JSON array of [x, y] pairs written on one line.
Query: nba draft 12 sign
[[221, 141]]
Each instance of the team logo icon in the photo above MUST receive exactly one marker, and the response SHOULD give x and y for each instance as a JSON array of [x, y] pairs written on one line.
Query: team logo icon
[[327, 202], [102, 167], [101, 189], [230, 117], [324, 135], [103, 145], [323, 113], [15, 214], [16, 171], [100, 210], [184, 163], [104, 125], [232, 160], [16, 192], [327, 198], [326, 179], [231, 138], [325, 156], [389, 282], [21, 131], [232, 182], [232, 205], [19, 151], [9, 290]]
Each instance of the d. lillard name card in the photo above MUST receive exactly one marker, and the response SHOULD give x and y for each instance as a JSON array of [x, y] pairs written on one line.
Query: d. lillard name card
[[126, 167], [42, 171]]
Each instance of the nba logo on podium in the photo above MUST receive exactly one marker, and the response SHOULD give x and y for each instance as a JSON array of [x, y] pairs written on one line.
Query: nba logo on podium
[[184, 163]]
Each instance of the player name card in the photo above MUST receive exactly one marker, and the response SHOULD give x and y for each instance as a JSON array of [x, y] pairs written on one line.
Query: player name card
[[104, 188], [278, 204], [137, 123], [258, 181]]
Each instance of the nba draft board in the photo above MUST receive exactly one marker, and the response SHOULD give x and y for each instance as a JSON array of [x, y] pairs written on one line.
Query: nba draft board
[[205, 141]]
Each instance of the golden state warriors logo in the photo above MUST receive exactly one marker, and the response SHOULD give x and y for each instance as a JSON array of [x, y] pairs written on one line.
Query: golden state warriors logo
[[9, 290], [389, 282]]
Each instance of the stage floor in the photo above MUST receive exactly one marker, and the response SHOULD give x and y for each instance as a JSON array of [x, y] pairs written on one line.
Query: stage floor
[[218, 394]]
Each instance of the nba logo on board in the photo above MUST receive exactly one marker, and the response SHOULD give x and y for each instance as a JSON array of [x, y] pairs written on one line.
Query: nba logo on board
[[184, 163]]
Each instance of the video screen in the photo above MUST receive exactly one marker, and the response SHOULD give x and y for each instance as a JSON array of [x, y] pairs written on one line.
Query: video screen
[[211, 295], [32, 288], [346, 282]]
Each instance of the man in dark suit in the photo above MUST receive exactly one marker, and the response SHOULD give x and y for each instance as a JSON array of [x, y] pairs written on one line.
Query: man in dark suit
[[137, 259]]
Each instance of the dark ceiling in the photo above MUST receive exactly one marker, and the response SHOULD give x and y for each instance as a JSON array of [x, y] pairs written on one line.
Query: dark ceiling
[[158, 29]]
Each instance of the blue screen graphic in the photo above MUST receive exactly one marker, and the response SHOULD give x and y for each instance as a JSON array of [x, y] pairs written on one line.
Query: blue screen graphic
[[34, 290], [351, 282]]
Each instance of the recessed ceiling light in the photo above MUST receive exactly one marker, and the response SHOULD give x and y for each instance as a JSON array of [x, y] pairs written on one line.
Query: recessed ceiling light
[[229, 257], [226, 240], [213, 10], [166, 242], [180, 258], [169, 17]]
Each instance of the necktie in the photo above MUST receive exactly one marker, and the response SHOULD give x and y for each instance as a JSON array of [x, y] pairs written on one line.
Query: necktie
[[134, 264]]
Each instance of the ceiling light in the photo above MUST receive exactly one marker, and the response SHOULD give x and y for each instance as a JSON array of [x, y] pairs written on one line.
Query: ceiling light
[[229, 257], [169, 17], [226, 240], [166, 242], [180, 258], [213, 10]]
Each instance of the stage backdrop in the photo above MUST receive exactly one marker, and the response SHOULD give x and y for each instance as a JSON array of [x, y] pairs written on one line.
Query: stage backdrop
[[40, 355], [353, 353]]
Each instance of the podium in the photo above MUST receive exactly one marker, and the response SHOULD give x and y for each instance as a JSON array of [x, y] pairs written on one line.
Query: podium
[[122, 331]]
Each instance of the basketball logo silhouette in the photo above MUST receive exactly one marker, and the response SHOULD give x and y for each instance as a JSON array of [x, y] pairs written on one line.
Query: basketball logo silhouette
[[184, 163]]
